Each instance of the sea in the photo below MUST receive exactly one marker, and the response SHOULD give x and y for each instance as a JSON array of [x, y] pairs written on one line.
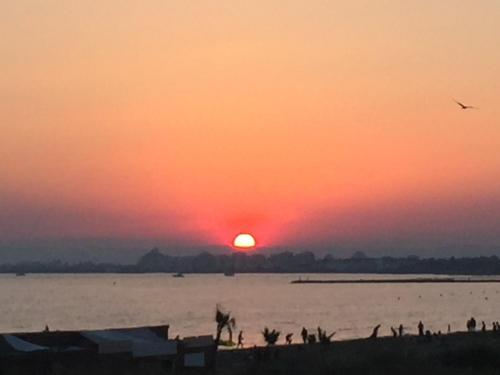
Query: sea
[[188, 304]]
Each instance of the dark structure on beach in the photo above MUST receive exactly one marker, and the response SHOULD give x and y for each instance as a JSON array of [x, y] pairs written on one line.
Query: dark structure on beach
[[146, 351], [140, 350]]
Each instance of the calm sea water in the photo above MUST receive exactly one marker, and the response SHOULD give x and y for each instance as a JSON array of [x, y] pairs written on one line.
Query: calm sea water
[[256, 300]]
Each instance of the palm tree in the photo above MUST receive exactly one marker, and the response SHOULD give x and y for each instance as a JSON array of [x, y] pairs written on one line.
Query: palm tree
[[224, 320], [270, 336], [323, 337]]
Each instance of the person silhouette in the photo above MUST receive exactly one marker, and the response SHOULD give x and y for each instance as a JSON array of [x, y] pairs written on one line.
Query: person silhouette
[[483, 326], [240, 340], [473, 324], [288, 338], [420, 328], [394, 332], [375, 332], [304, 335], [400, 329]]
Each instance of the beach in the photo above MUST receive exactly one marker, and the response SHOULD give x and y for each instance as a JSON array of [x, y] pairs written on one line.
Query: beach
[[458, 353]]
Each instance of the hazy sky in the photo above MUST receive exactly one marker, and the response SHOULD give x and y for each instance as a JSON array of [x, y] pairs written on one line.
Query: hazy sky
[[306, 123]]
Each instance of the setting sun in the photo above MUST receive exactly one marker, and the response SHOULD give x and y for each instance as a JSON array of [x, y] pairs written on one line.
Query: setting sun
[[244, 241]]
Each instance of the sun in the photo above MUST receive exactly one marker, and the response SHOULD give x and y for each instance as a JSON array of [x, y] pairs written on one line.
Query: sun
[[244, 241]]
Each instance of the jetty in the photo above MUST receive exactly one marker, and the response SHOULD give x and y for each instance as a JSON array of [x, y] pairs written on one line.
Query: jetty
[[432, 280]]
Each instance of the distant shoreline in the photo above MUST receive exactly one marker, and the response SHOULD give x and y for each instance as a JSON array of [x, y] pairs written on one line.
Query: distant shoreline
[[154, 261], [463, 278]]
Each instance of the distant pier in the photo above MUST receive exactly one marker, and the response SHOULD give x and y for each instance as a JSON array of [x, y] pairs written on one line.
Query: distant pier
[[397, 281]]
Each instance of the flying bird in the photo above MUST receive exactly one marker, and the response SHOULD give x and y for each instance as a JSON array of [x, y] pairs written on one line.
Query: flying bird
[[463, 106]]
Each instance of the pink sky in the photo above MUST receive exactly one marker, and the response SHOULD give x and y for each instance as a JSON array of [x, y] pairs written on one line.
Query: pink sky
[[303, 123]]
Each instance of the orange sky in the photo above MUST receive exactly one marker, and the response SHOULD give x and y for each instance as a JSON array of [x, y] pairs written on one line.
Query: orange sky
[[202, 119]]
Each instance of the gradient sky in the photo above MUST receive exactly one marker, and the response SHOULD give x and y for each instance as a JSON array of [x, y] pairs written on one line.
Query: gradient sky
[[306, 123]]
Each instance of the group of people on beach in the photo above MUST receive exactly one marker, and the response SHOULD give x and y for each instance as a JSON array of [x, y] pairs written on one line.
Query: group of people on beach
[[398, 332], [427, 334], [471, 325], [307, 338], [310, 338]]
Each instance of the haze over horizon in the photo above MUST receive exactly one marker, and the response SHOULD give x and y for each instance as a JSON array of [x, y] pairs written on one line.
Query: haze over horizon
[[326, 126]]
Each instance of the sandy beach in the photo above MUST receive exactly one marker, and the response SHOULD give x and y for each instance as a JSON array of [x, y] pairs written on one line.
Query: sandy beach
[[457, 353]]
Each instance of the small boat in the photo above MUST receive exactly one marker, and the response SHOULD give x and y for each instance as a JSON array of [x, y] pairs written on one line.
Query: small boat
[[229, 273], [20, 274], [178, 274]]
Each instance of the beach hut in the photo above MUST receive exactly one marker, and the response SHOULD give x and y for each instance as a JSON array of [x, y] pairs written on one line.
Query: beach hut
[[198, 351], [140, 342], [13, 345]]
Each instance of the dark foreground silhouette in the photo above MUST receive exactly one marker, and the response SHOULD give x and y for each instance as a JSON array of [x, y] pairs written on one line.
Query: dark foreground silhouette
[[457, 353]]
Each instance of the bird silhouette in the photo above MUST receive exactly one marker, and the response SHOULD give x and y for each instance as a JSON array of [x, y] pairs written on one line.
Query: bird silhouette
[[463, 106]]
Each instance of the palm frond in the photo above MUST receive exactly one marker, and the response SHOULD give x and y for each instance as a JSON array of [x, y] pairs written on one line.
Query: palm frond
[[271, 337]]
